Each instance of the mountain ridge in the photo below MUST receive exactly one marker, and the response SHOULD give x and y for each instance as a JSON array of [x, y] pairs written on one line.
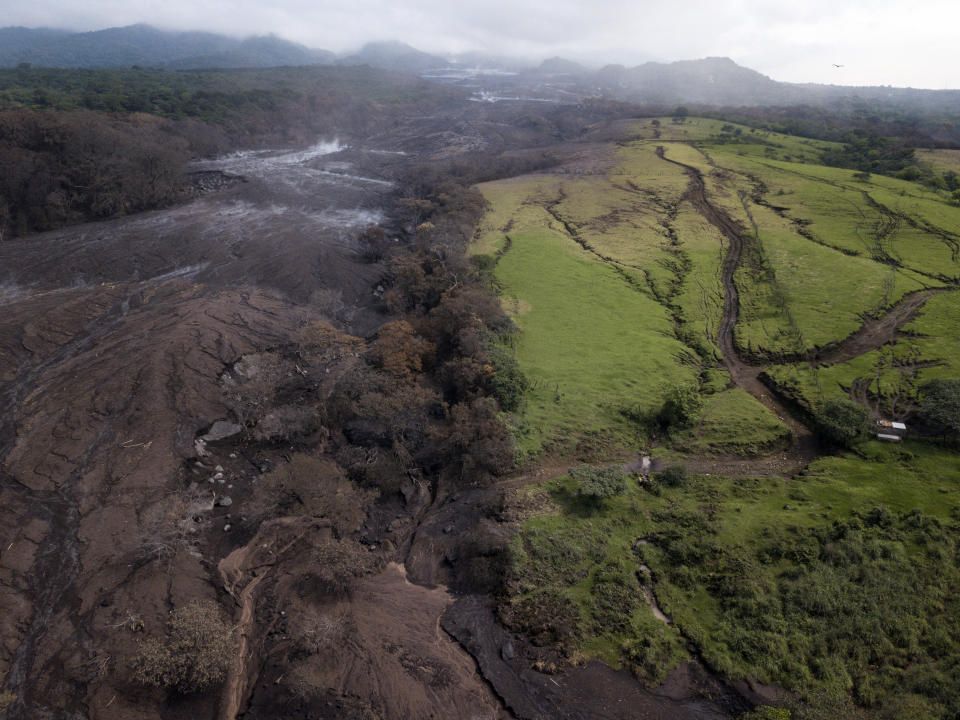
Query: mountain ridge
[[710, 81]]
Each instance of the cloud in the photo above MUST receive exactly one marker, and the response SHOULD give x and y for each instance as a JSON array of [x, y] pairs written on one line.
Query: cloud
[[878, 42]]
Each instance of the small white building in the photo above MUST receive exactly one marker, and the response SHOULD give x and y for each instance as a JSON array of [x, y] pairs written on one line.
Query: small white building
[[891, 430]]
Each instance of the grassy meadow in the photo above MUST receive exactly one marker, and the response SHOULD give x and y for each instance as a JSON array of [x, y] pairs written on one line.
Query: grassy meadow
[[824, 248]]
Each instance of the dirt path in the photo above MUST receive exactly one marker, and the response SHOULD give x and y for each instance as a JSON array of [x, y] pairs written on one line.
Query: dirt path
[[744, 375], [875, 332], [242, 571]]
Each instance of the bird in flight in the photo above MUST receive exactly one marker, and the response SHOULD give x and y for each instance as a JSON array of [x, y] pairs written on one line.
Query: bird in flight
[[835, 65]]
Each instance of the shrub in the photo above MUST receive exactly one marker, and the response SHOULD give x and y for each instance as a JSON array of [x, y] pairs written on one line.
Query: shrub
[[673, 476], [940, 404], [547, 617], [681, 407], [597, 484], [766, 712], [195, 654], [843, 422], [337, 566], [508, 383], [6, 699]]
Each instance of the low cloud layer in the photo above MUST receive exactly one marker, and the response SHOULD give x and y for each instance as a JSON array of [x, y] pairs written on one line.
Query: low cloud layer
[[880, 42]]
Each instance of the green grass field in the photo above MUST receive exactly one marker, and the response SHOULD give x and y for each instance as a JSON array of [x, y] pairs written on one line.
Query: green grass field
[[591, 343], [823, 249], [612, 328]]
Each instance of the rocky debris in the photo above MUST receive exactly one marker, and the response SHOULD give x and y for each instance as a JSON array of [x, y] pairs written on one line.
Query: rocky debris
[[221, 430], [224, 501], [593, 690], [208, 181]]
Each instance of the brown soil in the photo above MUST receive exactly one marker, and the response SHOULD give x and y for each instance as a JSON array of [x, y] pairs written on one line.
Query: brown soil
[[113, 339], [389, 650], [875, 331]]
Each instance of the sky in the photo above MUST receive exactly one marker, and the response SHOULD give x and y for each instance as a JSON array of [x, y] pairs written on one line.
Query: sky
[[877, 42]]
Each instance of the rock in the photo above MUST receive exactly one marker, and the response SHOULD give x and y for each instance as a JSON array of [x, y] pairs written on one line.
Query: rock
[[221, 430], [506, 652], [200, 446], [448, 529], [226, 528], [218, 468], [218, 476], [225, 501]]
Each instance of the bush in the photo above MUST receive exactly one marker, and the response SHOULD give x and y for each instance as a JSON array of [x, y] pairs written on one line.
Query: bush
[[673, 476], [766, 712], [596, 484], [195, 654], [508, 383], [843, 422], [681, 409], [940, 405], [6, 699], [337, 567]]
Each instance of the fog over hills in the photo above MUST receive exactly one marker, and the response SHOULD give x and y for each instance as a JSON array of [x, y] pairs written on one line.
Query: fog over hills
[[147, 46], [711, 81]]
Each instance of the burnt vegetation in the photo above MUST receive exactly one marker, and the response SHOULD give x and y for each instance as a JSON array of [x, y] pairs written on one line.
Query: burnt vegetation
[[79, 145]]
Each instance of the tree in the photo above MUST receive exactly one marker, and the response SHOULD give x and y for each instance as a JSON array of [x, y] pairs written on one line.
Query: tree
[[373, 244], [843, 422], [337, 566], [940, 405], [399, 350], [598, 484]]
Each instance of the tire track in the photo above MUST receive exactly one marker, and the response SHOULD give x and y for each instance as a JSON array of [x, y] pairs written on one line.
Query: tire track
[[744, 375]]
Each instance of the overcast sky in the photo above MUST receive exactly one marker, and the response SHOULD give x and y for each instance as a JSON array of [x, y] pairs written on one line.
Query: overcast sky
[[882, 42]]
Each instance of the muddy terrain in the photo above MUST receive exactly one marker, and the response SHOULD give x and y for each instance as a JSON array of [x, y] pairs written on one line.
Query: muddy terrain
[[128, 488]]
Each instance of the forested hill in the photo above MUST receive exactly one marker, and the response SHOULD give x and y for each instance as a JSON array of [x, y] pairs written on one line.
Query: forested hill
[[147, 46]]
